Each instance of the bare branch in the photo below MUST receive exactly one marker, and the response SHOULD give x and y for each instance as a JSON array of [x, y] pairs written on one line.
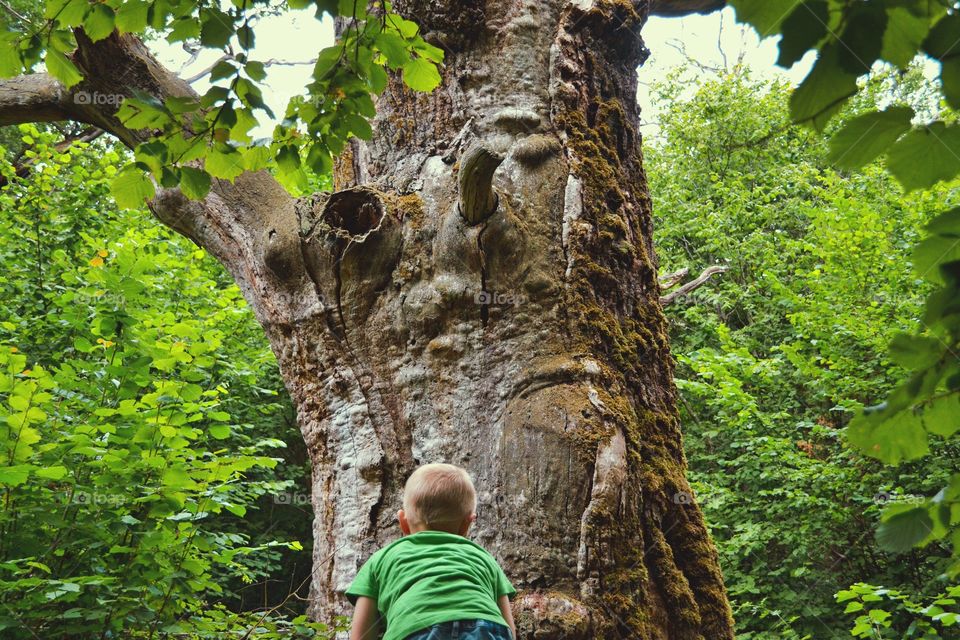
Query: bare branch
[[670, 280], [22, 167], [13, 12], [692, 285], [272, 62]]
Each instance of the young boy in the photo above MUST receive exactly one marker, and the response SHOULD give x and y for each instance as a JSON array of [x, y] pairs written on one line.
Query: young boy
[[433, 583]]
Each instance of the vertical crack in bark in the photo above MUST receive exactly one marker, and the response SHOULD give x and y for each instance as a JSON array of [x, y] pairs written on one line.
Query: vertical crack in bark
[[338, 286], [485, 296]]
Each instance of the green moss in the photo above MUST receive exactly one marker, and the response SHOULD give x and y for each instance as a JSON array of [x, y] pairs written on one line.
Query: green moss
[[627, 327]]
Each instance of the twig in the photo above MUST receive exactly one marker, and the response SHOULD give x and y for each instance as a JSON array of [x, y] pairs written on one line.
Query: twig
[[272, 62], [693, 284], [13, 11], [22, 169]]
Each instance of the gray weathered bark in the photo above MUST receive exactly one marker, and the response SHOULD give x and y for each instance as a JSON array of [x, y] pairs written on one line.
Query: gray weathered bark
[[481, 289]]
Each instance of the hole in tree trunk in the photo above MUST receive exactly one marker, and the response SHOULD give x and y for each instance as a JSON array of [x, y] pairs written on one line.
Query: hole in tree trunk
[[353, 212]]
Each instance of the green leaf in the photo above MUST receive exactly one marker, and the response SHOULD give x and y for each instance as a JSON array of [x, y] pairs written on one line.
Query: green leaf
[[221, 70], [219, 431], [54, 473], [932, 252], [942, 415], [352, 9], [236, 509], [358, 126], [246, 37], [15, 475], [318, 158], [943, 40], [131, 188], [327, 59], [950, 81], [946, 224], [216, 29], [926, 156], [195, 183], [825, 89], [10, 62], [177, 478], [765, 16], [255, 70], [72, 13], [184, 29], [99, 22], [915, 352], [866, 137], [62, 69], [132, 16], [421, 75], [406, 28], [889, 438], [223, 161], [862, 39], [256, 158], [904, 36], [428, 51], [804, 27], [394, 48], [378, 79], [902, 531]]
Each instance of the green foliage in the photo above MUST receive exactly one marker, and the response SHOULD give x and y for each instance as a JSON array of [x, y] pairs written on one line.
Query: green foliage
[[856, 35], [889, 613], [216, 129], [779, 352], [138, 410]]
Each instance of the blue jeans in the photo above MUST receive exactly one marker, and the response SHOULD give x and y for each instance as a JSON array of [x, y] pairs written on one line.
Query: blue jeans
[[463, 630]]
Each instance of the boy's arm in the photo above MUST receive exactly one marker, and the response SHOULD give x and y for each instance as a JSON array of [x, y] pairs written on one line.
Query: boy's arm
[[507, 612], [366, 620]]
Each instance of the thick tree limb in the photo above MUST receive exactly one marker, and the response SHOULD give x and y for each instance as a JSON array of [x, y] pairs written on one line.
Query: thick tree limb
[[243, 223], [692, 285], [671, 8], [113, 69], [33, 98]]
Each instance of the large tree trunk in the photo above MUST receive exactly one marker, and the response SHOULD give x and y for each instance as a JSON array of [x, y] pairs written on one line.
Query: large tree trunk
[[492, 301], [481, 289]]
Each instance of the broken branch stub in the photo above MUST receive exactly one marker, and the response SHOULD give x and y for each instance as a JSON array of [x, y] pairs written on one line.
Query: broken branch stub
[[478, 200]]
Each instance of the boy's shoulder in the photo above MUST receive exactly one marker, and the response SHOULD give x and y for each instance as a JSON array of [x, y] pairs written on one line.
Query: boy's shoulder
[[425, 541]]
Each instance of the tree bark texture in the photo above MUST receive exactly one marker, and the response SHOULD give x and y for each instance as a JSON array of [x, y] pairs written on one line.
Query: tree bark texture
[[481, 289], [491, 299]]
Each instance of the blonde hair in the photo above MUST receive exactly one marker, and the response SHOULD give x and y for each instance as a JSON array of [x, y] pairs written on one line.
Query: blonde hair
[[439, 496]]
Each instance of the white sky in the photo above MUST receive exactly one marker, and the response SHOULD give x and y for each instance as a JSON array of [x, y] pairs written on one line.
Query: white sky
[[296, 36]]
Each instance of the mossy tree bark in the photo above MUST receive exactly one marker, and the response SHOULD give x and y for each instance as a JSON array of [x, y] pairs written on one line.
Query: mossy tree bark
[[480, 289]]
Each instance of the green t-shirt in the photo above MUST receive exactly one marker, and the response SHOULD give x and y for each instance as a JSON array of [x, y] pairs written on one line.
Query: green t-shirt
[[431, 577]]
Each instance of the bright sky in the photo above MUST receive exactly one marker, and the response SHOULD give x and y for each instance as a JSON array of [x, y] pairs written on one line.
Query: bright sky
[[715, 40]]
